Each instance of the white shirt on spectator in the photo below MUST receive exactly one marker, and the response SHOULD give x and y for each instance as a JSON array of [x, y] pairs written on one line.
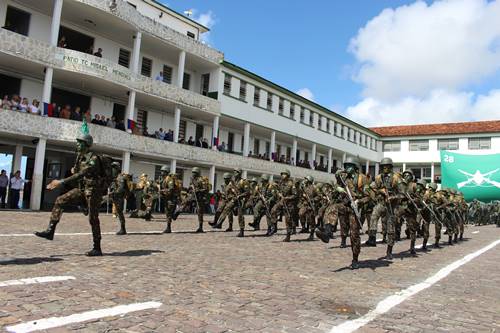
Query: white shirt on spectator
[[33, 109], [16, 183]]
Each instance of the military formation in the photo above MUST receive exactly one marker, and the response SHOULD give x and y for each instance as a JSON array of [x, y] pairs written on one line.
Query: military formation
[[350, 203]]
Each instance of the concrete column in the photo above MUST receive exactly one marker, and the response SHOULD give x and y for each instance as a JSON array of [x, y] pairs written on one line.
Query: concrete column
[[17, 158], [244, 174], [377, 168], [367, 167], [246, 139], [330, 160], [432, 172], [177, 123], [344, 156], [131, 107], [56, 22], [173, 166], [37, 180], [215, 130], [313, 155], [404, 167], [126, 162], [273, 144], [294, 152], [180, 68], [211, 178], [47, 85], [136, 52]]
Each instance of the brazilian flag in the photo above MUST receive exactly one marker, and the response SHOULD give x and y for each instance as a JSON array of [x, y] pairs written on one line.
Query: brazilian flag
[[476, 176]]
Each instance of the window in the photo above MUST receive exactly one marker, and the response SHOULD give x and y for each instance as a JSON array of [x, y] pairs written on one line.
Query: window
[[256, 96], [374, 144], [167, 74], [419, 145], [256, 146], [191, 35], [227, 84], [269, 101], [427, 172], [292, 110], [320, 122], [328, 125], [311, 118], [302, 111], [147, 64], [124, 58], [243, 90], [17, 20], [281, 106], [479, 143], [448, 144], [205, 83], [392, 145], [186, 82]]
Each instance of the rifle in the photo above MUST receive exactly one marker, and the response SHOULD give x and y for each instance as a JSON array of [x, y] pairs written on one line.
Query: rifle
[[268, 212], [354, 205], [309, 201], [195, 196], [412, 201], [432, 212]]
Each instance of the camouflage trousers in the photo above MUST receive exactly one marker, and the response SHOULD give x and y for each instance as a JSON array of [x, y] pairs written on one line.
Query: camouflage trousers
[[388, 222], [307, 217], [350, 223], [220, 209], [410, 216], [170, 209], [228, 210], [288, 210], [259, 210], [91, 202], [424, 219], [321, 215]]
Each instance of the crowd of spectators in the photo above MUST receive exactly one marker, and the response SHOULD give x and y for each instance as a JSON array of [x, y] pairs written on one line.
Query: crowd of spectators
[[13, 186]]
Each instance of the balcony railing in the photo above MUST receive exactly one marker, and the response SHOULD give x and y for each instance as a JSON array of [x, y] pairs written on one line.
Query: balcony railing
[[79, 62], [145, 24], [62, 130]]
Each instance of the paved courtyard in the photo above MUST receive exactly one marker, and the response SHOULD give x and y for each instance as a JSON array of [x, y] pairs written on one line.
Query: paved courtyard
[[216, 282]]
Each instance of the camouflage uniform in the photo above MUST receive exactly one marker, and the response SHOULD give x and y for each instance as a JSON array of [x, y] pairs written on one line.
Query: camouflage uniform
[[119, 191], [223, 202], [263, 202], [307, 205], [145, 192], [88, 173], [170, 190], [408, 208], [198, 193], [286, 203]]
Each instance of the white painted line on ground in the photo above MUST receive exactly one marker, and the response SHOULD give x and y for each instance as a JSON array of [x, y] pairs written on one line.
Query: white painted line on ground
[[475, 232], [41, 279], [388, 303], [43, 324]]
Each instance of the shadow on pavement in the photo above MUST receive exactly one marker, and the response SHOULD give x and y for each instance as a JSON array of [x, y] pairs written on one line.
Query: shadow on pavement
[[133, 253], [371, 263], [27, 261]]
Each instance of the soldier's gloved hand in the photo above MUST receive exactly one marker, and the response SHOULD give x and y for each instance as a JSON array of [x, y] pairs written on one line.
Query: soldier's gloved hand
[[54, 184]]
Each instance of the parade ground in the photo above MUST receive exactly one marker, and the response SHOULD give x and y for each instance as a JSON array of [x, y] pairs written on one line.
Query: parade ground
[[215, 282]]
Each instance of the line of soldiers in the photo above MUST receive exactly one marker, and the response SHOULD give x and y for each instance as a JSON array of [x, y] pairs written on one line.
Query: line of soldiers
[[481, 213]]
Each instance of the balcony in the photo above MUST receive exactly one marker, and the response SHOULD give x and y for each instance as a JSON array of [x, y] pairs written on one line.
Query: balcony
[[146, 25], [63, 132], [78, 62]]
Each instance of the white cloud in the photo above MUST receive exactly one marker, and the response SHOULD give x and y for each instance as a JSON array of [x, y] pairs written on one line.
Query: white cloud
[[415, 49], [306, 93], [438, 106], [208, 20]]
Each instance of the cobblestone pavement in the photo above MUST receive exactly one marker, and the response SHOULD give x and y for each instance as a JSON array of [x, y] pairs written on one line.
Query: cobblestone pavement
[[216, 282]]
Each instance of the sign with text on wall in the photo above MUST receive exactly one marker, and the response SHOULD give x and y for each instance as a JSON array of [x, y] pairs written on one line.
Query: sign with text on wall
[[476, 176]]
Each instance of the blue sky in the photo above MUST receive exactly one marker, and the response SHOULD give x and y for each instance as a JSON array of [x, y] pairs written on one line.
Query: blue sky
[[305, 44]]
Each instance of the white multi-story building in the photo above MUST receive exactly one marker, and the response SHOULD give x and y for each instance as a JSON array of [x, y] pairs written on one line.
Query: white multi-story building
[[141, 62]]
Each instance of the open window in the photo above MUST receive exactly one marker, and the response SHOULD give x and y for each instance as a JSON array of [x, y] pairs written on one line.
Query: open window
[[75, 40], [17, 20], [9, 85]]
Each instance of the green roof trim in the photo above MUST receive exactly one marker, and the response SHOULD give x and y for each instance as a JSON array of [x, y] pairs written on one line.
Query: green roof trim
[[284, 90]]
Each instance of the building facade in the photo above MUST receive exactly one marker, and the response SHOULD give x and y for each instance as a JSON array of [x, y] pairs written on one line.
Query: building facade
[[162, 97]]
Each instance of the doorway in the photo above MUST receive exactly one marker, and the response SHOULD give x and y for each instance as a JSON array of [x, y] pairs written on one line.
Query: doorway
[[230, 142], [10, 86], [17, 20], [199, 132], [119, 112], [64, 97], [77, 41]]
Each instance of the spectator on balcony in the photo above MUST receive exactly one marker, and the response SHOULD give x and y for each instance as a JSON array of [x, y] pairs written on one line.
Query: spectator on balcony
[[199, 143], [170, 135], [16, 185], [88, 116], [34, 107], [145, 132], [98, 53], [4, 183], [191, 141], [65, 112], [160, 134], [62, 42], [120, 125], [6, 105], [55, 111], [112, 122], [24, 105], [76, 114], [104, 121], [14, 102], [204, 143], [159, 77], [222, 146], [96, 120], [182, 141]]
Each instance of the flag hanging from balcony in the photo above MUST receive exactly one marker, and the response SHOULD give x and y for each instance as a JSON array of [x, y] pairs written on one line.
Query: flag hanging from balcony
[[216, 142], [131, 124], [48, 110]]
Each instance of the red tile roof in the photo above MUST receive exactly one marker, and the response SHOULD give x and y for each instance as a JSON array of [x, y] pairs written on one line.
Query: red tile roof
[[440, 129]]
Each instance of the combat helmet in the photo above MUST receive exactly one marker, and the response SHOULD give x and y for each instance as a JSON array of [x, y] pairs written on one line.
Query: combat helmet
[[115, 165], [85, 138], [254, 180], [309, 178], [227, 175], [264, 178], [165, 168], [433, 186], [237, 171], [408, 172], [386, 161], [196, 171], [352, 161], [422, 182], [286, 172]]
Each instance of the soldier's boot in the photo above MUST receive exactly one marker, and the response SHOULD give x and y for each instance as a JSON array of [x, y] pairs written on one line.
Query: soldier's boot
[[294, 230], [462, 235], [455, 238], [274, 229], [436, 244], [230, 227], [122, 230], [269, 229], [407, 232], [241, 233], [343, 242], [384, 239], [372, 240], [324, 234], [397, 236], [200, 227], [304, 229], [214, 222], [389, 253], [424, 244], [354, 263], [49, 232], [311, 235], [412, 247], [168, 229], [256, 226], [176, 214], [288, 234], [450, 239], [147, 217], [96, 237]]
